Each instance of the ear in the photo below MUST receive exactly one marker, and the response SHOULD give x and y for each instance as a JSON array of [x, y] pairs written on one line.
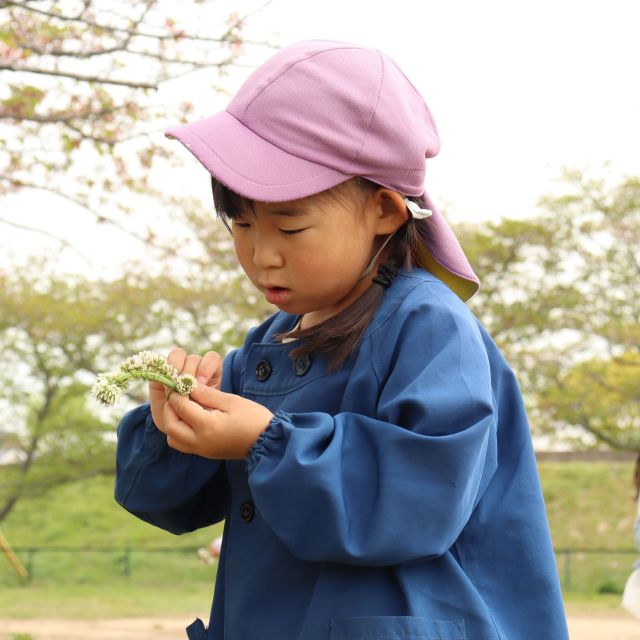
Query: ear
[[391, 211]]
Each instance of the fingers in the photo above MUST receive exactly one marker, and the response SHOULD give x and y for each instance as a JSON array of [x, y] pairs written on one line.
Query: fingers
[[210, 397], [189, 411], [176, 358], [190, 364], [206, 369], [180, 436], [183, 363], [209, 370], [158, 391]]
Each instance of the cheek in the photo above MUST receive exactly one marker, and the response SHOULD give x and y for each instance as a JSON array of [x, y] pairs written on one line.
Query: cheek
[[240, 243], [314, 262], [334, 263], [242, 246], [353, 248], [304, 261]]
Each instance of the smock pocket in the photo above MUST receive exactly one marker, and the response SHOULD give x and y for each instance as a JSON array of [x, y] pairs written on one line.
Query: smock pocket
[[396, 628]]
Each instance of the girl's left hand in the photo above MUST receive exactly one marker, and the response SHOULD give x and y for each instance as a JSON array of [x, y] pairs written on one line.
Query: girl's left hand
[[214, 424]]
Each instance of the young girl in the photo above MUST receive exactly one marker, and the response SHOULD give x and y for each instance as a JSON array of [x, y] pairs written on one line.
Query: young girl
[[367, 446]]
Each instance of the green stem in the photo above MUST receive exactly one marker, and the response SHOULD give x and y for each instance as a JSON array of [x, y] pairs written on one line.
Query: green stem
[[155, 377], [149, 375]]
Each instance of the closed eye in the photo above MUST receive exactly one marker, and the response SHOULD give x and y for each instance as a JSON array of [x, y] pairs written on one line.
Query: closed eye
[[290, 232], [247, 225]]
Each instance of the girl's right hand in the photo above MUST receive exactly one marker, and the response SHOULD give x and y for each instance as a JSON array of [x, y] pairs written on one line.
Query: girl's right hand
[[206, 369]]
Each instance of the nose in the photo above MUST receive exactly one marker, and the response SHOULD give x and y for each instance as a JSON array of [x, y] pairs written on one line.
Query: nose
[[266, 253]]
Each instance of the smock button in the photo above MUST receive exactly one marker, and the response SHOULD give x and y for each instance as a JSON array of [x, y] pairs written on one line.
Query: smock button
[[263, 370], [301, 365], [247, 511]]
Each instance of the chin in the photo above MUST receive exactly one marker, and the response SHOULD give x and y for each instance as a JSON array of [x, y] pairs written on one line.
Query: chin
[[292, 308]]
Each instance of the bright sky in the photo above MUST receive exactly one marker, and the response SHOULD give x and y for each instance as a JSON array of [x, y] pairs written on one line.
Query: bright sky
[[517, 90]]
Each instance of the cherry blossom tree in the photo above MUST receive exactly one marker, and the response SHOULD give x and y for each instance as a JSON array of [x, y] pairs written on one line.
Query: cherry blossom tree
[[80, 81]]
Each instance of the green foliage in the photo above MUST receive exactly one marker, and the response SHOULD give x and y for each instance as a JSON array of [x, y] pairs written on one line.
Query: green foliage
[[84, 515], [183, 596], [603, 395], [589, 504], [58, 332], [559, 295], [609, 586]]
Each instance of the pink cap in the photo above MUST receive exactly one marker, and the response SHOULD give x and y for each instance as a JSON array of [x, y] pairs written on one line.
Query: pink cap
[[320, 112]]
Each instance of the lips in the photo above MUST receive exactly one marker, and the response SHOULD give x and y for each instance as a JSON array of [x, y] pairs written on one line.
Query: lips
[[276, 295]]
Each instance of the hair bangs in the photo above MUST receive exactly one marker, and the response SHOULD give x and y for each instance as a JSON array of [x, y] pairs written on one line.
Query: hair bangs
[[228, 204]]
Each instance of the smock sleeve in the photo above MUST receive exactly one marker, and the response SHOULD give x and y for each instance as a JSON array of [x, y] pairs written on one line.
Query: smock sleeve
[[397, 486], [175, 491]]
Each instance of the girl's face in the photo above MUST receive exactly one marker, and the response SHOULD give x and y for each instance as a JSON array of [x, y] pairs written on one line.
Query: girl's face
[[307, 256]]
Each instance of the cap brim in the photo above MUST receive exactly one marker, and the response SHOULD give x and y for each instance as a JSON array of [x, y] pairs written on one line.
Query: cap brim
[[249, 164], [443, 256], [254, 168]]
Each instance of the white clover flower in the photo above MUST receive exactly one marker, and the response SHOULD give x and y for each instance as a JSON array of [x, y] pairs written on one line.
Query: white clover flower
[[145, 365], [148, 361], [106, 391], [185, 384]]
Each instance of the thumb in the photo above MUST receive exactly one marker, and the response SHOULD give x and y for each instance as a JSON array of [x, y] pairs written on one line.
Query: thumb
[[209, 397]]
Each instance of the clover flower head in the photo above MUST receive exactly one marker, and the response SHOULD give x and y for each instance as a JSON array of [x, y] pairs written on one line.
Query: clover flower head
[[148, 361], [107, 390], [185, 384]]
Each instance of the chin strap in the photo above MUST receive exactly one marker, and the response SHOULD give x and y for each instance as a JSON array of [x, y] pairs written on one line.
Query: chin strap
[[417, 213], [372, 264]]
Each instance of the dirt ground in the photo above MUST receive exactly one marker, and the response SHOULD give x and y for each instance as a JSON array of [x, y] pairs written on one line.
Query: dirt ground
[[581, 627]]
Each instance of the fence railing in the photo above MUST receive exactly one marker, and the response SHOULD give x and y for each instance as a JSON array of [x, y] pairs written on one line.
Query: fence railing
[[66, 562], [577, 567], [582, 569]]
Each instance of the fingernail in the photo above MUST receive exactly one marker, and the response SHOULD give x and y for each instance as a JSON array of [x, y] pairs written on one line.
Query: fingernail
[[202, 379]]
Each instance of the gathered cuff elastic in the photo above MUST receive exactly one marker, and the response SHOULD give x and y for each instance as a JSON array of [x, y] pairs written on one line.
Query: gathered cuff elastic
[[267, 440]]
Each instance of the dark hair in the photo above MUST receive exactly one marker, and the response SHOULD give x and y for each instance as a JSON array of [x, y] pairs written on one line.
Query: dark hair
[[339, 336]]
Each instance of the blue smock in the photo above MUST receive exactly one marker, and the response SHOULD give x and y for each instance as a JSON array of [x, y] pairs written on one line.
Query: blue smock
[[397, 498]]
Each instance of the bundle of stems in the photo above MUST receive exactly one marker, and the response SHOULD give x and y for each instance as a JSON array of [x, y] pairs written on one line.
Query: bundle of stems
[[145, 365]]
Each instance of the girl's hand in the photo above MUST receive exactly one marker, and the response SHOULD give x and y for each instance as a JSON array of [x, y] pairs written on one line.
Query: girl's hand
[[218, 425], [206, 369]]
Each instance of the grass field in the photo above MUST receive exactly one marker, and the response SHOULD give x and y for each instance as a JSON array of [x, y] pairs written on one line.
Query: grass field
[[590, 505]]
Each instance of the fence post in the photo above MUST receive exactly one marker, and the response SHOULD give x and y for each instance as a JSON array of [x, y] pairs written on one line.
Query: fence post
[[567, 569], [30, 562], [126, 564]]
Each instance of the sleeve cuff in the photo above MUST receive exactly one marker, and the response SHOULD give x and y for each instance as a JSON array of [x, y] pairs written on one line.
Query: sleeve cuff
[[154, 439], [267, 441]]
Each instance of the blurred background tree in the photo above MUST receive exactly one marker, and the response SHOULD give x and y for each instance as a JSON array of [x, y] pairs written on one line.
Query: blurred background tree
[[560, 295], [87, 85], [86, 89], [58, 332]]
